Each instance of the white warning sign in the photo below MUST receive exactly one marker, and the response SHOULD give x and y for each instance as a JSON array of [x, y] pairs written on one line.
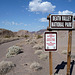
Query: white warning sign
[[50, 41]]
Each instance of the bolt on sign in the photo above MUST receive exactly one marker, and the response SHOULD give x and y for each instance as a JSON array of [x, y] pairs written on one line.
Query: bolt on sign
[[50, 41], [61, 21]]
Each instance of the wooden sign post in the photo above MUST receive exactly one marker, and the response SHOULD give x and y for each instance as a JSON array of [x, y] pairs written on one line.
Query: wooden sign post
[[50, 53], [69, 51], [50, 62]]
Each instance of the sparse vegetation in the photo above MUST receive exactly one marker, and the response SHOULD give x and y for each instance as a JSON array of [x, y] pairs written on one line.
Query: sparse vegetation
[[39, 36], [73, 56], [38, 46], [43, 56], [13, 50], [6, 66], [18, 36], [33, 42], [64, 52], [36, 66], [26, 36], [7, 36], [38, 52]]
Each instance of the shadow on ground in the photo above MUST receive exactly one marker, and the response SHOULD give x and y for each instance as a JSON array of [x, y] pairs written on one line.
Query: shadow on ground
[[62, 66]]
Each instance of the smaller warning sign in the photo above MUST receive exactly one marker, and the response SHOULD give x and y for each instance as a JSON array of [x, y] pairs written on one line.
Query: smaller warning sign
[[50, 41]]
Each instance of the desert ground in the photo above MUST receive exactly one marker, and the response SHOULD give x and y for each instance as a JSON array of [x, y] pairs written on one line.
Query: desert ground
[[33, 60]]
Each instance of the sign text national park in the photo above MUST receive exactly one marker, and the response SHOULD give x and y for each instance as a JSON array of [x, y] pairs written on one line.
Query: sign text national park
[[61, 21]]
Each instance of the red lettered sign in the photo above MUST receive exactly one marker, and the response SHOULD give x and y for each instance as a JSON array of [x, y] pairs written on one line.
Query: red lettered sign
[[50, 41]]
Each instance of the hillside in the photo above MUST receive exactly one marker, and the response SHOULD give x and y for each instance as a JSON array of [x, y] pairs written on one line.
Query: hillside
[[22, 33], [6, 33]]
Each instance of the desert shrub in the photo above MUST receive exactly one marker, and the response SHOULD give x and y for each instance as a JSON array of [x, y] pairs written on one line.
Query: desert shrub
[[28, 40], [43, 56], [38, 52], [33, 42], [36, 66], [39, 36], [6, 66], [73, 56], [26, 36], [13, 50], [18, 36], [64, 52], [38, 46], [7, 36]]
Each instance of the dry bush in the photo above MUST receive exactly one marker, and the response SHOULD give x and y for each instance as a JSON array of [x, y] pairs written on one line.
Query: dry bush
[[26, 36], [6, 66], [39, 36], [28, 40], [36, 66], [38, 46], [64, 52], [13, 50], [43, 56], [33, 41], [72, 56], [38, 52], [7, 36]]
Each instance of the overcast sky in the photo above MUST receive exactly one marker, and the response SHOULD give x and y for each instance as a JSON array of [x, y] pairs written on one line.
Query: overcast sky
[[31, 14]]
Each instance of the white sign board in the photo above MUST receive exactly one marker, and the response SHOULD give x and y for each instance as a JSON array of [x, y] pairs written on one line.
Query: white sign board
[[50, 41]]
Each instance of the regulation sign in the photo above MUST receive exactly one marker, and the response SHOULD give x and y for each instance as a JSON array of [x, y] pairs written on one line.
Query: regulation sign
[[50, 41], [61, 21]]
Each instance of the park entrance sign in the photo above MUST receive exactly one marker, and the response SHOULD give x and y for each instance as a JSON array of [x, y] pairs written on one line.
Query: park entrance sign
[[58, 22], [61, 21]]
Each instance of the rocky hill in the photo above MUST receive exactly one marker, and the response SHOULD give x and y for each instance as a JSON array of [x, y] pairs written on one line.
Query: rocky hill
[[6, 33], [22, 33]]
